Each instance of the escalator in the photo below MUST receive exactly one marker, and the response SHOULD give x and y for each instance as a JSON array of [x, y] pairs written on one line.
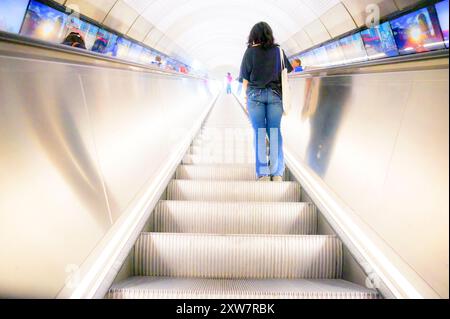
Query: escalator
[[220, 234], [90, 167]]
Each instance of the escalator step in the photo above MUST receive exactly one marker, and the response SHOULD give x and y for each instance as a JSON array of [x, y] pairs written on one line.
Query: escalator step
[[225, 150], [234, 218], [233, 191], [218, 172], [188, 288], [230, 158], [238, 256]]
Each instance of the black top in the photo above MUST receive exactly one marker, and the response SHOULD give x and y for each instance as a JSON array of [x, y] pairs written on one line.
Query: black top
[[262, 68]]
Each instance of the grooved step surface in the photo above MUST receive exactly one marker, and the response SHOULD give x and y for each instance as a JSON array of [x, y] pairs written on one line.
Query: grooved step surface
[[236, 141], [238, 256], [219, 159], [224, 150], [222, 146], [217, 172], [188, 288], [222, 235], [226, 134], [234, 218], [233, 191]]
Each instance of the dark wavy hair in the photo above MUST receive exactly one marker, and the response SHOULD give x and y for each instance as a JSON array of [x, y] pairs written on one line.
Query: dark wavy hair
[[262, 34], [74, 39]]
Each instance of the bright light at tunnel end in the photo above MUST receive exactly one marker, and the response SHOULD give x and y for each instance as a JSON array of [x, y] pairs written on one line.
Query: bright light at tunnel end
[[197, 65]]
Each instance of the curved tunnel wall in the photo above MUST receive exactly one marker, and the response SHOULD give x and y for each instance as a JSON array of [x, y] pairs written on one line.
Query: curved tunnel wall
[[191, 29], [79, 143]]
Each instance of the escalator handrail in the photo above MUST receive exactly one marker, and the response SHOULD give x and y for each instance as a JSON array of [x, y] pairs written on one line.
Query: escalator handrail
[[415, 62], [78, 55]]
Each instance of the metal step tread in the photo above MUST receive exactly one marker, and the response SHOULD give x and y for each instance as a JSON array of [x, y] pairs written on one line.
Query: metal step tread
[[217, 152], [201, 141], [238, 256], [193, 288], [218, 172], [234, 218], [222, 145], [234, 158], [244, 191]]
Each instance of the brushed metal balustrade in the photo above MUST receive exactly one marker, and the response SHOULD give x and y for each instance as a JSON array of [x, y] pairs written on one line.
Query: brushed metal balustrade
[[380, 141], [77, 144]]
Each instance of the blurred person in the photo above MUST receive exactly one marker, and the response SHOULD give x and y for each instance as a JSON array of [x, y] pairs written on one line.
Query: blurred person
[[229, 82], [100, 45], [239, 89], [297, 65], [75, 40], [183, 69], [158, 61], [261, 75]]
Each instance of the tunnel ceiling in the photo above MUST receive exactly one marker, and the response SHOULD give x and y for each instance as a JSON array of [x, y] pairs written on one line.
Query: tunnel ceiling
[[213, 32]]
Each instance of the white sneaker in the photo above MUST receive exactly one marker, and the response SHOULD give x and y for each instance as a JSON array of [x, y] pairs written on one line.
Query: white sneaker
[[264, 179], [277, 179]]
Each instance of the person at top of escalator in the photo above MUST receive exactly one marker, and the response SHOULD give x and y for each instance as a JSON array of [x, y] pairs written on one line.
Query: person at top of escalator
[[229, 82], [261, 70]]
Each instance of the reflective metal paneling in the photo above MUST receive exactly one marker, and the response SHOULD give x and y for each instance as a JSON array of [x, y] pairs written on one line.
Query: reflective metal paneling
[[135, 128], [77, 145], [380, 141], [52, 205]]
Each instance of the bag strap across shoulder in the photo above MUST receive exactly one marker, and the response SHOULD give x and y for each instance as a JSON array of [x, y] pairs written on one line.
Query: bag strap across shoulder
[[283, 65]]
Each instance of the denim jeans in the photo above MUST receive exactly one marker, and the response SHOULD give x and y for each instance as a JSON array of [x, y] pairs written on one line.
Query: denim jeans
[[265, 108]]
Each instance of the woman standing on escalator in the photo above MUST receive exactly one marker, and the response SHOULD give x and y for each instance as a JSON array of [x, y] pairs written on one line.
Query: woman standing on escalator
[[261, 76]]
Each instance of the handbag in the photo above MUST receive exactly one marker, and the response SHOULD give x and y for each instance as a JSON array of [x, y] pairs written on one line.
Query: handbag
[[286, 89]]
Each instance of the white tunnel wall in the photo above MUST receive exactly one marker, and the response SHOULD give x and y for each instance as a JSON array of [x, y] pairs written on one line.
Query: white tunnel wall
[[357, 9], [337, 20], [97, 10], [140, 29], [121, 17]]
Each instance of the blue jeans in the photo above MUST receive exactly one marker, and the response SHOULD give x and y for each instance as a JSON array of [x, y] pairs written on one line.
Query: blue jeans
[[265, 108]]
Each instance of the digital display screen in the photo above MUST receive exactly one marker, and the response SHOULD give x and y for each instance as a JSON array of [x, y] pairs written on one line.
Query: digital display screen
[[335, 53], [123, 47], [12, 13], [146, 56], [86, 30], [321, 57], [106, 43], [172, 65], [442, 11], [135, 52], [353, 48], [380, 42], [308, 59], [44, 23], [418, 32], [312, 58]]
